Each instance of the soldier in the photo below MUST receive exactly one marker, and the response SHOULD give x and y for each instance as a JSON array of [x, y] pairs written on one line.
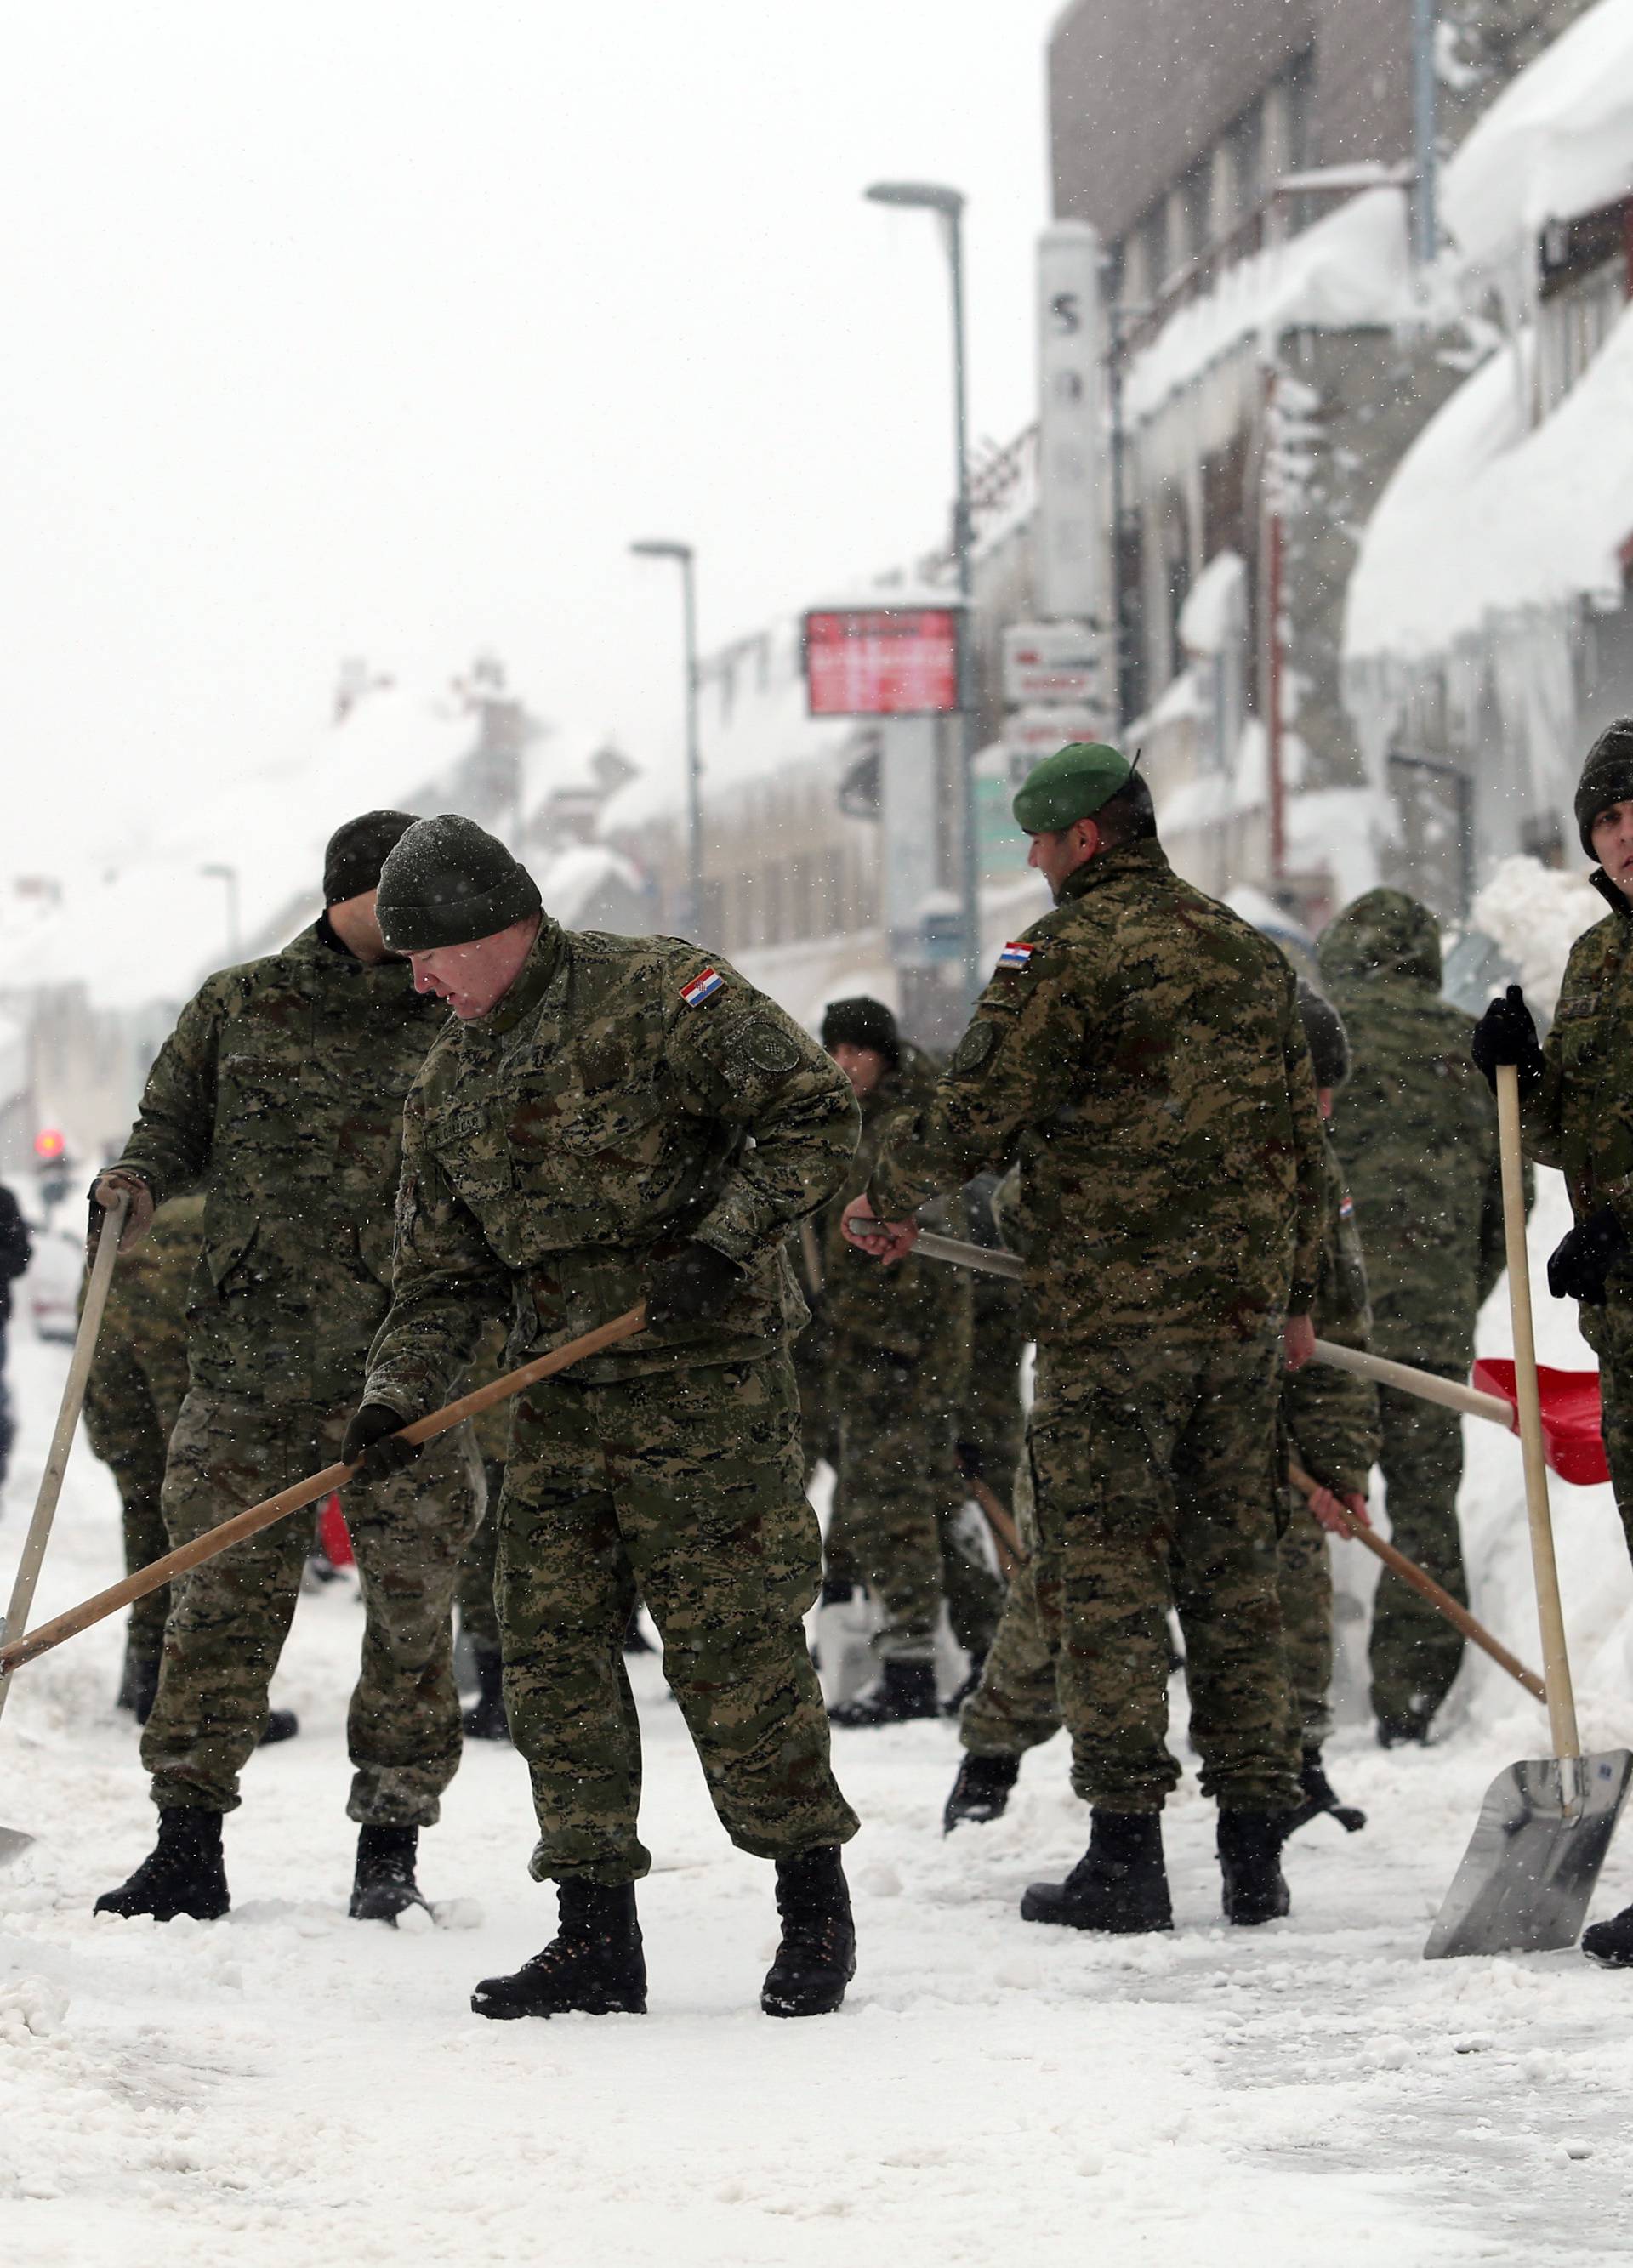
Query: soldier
[[281, 1090], [1576, 1110], [16, 1243], [133, 1397], [1139, 1047], [607, 1119], [898, 1356], [478, 1611], [1415, 1137], [1329, 1417]]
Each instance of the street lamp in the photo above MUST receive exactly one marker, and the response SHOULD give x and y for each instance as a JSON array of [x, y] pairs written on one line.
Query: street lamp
[[657, 548], [229, 875], [931, 196]]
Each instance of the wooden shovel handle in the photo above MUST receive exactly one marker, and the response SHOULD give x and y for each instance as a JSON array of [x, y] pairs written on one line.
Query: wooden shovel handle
[[274, 1508], [1006, 1536], [1426, 1587]]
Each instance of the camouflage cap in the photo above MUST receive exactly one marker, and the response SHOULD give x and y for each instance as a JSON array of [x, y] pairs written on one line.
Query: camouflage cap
[[1073, 784], [1382, 933], [1606, 778], [449, 882]]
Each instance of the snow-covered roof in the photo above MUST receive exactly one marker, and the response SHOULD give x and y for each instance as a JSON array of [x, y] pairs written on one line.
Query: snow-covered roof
[[149, 927], [1350, 270], [573, 878], [1557, 142], [1486, 516], [753, 721]]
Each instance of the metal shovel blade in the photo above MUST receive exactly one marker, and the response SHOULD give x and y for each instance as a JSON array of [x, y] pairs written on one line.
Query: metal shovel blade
[[1534, 1857], [12, 1840]]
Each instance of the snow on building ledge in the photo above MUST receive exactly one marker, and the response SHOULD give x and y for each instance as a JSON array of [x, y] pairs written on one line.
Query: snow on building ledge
[[1350, 270], [1557, 143]]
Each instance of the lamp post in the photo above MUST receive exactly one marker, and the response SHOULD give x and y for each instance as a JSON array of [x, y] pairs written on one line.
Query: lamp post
[[229, 876], [659, 549], [931, 196]]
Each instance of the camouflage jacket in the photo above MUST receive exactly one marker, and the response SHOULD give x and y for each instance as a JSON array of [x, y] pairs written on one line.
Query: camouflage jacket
[[1330, 1416], [1140, 1050], [281, 1090], [1580, 1118], [917, 1312], [625, 1096], [1415, 1133], [147, 1294]]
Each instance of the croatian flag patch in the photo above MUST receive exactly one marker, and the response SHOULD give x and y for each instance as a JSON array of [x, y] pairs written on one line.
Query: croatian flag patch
[[1014, 956], [702, 987], [1347, 1208]]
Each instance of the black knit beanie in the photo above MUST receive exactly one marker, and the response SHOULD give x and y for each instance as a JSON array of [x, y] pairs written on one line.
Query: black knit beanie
[[1325, 1036], [1606, 778], [861, 1023], [358, 850], [448, 882]]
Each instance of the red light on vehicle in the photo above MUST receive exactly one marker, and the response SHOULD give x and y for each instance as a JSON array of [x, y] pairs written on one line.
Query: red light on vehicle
[[48, 1143]]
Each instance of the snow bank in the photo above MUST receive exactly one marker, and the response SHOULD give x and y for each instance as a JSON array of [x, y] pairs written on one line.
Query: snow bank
[[1350, 270], [1485, 517], [1557, 142], [1536, 914]]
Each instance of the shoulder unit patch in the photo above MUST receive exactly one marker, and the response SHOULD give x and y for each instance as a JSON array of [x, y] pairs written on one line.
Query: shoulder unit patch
[[702, 987]]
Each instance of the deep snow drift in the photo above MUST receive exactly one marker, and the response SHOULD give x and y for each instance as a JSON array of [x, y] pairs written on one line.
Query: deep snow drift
[[288, 2085]]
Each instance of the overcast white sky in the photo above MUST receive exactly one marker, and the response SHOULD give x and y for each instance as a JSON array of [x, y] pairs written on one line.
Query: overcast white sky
[[373, 328]]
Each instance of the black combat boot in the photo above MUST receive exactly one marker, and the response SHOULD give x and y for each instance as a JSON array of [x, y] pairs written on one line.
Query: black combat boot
[[383, 1885], [138, 1686], [981, 1791], [1610, 1942], [282, 1725], [1250, 1861], [816, 1958], [1317, 1799], [1121, 1882], [903, 1692], [486, 1719], [182, 1875], [594, 1966]]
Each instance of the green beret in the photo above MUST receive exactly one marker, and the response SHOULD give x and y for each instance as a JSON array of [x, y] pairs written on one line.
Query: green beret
[[1069, 785]]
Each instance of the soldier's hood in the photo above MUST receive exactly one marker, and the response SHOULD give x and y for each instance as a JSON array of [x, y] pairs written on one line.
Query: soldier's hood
[[1384, 934]]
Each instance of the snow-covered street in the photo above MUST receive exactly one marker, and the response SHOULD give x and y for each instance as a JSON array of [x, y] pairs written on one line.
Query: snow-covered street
[[290, 2085]]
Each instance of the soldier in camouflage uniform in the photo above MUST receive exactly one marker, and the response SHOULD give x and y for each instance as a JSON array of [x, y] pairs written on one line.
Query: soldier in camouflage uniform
[[992, 1430], [1328, 1420], [1140, 1049], [611, 1119], [478, 1610], [281, 1090], [898, 1357], [1416, 1136], [1577, 1112]]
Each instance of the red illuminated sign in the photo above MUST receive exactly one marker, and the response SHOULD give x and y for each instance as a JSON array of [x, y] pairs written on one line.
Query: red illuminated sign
[[882, 661], [48, 1143]]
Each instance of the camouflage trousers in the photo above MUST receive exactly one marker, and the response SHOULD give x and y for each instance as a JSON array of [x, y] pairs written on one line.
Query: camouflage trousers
[[1304, 1582], [1609, 1331], [896, 1521], [1154, 1481], [689, 1484], [1016, 1706], [992, 1421], [130, 1408], [230, 1616], [478, 1609], [1415, 1654]]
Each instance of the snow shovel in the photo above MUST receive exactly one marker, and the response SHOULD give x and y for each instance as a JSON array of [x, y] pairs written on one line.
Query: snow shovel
[[1569, 1400], [1534, 1858], [250, 1522], [12, 1840]]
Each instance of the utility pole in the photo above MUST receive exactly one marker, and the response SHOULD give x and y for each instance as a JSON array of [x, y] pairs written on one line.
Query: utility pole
[[692, 917], [1425, 228]]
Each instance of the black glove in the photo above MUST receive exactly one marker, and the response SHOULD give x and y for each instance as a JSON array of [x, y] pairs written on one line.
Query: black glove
[[1580, 1262], [693, 1287], [1507, 1034], [374, 1441]]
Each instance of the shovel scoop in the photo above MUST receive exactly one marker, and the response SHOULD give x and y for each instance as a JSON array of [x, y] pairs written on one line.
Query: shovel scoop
[[1535, 1854]]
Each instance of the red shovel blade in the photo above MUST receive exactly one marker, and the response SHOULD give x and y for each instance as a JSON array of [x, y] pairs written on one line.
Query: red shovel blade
[[1571, 1434], [336, 1539]]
